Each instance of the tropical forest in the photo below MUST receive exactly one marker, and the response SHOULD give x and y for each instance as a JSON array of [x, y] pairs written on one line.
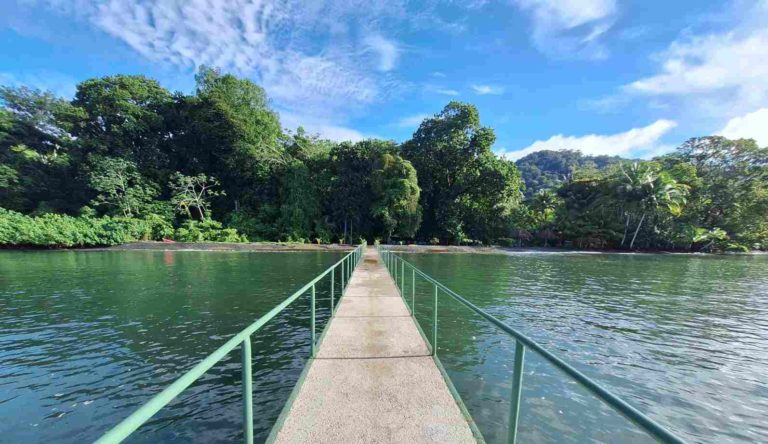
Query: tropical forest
[[128, 160]]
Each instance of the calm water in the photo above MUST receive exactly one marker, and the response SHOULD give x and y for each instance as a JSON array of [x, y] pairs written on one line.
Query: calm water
[[684, 339], [87, 337]]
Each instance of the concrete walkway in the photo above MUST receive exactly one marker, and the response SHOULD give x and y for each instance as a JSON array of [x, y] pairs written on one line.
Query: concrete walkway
[[373, 380]]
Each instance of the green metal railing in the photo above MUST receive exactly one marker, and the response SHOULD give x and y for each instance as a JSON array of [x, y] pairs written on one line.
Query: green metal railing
[[398, 267], [343, 269]]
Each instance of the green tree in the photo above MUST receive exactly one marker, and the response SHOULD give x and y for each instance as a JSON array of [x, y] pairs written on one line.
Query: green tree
[[548, 169], [120, 186], [643, 191], [121, 116], [466, 189], [34, 145], [350, 193], [193, 192], [228, 130], [733, 191], [396, 196]]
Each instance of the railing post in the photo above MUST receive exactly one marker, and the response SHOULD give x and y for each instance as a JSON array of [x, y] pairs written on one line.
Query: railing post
[[396, 273], [434, 327], [332, 289], [342, 279], [247, 391], [413, 292], [517, 389], [313, 320], [402, 278]]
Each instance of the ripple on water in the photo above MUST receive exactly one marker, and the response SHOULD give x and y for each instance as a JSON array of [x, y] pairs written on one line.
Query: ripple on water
[[87, 337], [685, 338]]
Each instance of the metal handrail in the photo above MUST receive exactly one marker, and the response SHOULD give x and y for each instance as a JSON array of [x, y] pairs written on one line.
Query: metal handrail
[[127, 426], [396, 266]]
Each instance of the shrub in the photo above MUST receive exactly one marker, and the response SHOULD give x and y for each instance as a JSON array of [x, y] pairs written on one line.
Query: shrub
[[207, 231], [57, 230]]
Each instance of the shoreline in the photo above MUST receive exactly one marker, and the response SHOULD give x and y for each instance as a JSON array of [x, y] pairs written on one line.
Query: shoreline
[[225, 246], [266, 247], [461, 249]]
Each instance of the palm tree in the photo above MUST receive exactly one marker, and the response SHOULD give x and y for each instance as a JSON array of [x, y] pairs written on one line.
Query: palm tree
[[544, 204], [646, 191]]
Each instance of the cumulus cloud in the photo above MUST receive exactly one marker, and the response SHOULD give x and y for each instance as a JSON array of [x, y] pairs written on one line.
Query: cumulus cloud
[[487, 89], [640, 142], [714, 75], [753, 125], [570, 28]]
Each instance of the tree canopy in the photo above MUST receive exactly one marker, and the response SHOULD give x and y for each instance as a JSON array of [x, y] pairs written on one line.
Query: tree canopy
[[127, 159]]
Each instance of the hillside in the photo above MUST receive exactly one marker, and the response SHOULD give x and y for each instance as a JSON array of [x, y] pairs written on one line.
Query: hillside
[[548, 169]]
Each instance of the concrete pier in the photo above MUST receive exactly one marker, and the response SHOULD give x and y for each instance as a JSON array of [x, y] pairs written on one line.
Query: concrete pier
[[373, 380]]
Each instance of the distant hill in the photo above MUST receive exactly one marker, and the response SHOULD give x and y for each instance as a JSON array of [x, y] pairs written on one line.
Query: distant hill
[[548, 169]]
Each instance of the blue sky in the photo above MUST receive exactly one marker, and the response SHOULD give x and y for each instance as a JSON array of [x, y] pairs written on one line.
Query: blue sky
[[626, 77]]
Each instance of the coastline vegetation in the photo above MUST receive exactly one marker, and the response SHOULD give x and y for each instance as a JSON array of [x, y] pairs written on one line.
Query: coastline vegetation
[[128, 160]]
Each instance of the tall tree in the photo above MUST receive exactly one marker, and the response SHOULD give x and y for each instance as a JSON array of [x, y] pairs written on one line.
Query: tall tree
[[466, 189], [396, 196], [350, 191], [121, 116], [229, 131], [34, 149], [734, 179]]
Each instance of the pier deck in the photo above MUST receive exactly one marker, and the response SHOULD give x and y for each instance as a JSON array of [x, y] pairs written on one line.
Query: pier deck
[[373, 379]]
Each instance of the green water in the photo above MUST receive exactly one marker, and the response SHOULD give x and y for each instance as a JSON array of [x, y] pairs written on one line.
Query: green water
[[87, 337], [682, 338]]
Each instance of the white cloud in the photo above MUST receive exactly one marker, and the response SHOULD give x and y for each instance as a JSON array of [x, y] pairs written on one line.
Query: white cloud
[[487, 89], [642, 142], [714, 75], [749, 126], [387, 51], [438, 74], [412, 121], [305, 54], [324, 128], [447, 92], [570, 28]]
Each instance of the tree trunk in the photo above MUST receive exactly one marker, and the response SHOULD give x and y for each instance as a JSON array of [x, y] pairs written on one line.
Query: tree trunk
[[632, 244], [200, 212], [626, 229]]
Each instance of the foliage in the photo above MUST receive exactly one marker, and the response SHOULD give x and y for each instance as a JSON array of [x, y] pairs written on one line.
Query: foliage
[[547, 169], [396, 196], [120, 186], [207, 231], [467, 191], [122, 117], [57, 230], [155, 164], [193, 192]]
